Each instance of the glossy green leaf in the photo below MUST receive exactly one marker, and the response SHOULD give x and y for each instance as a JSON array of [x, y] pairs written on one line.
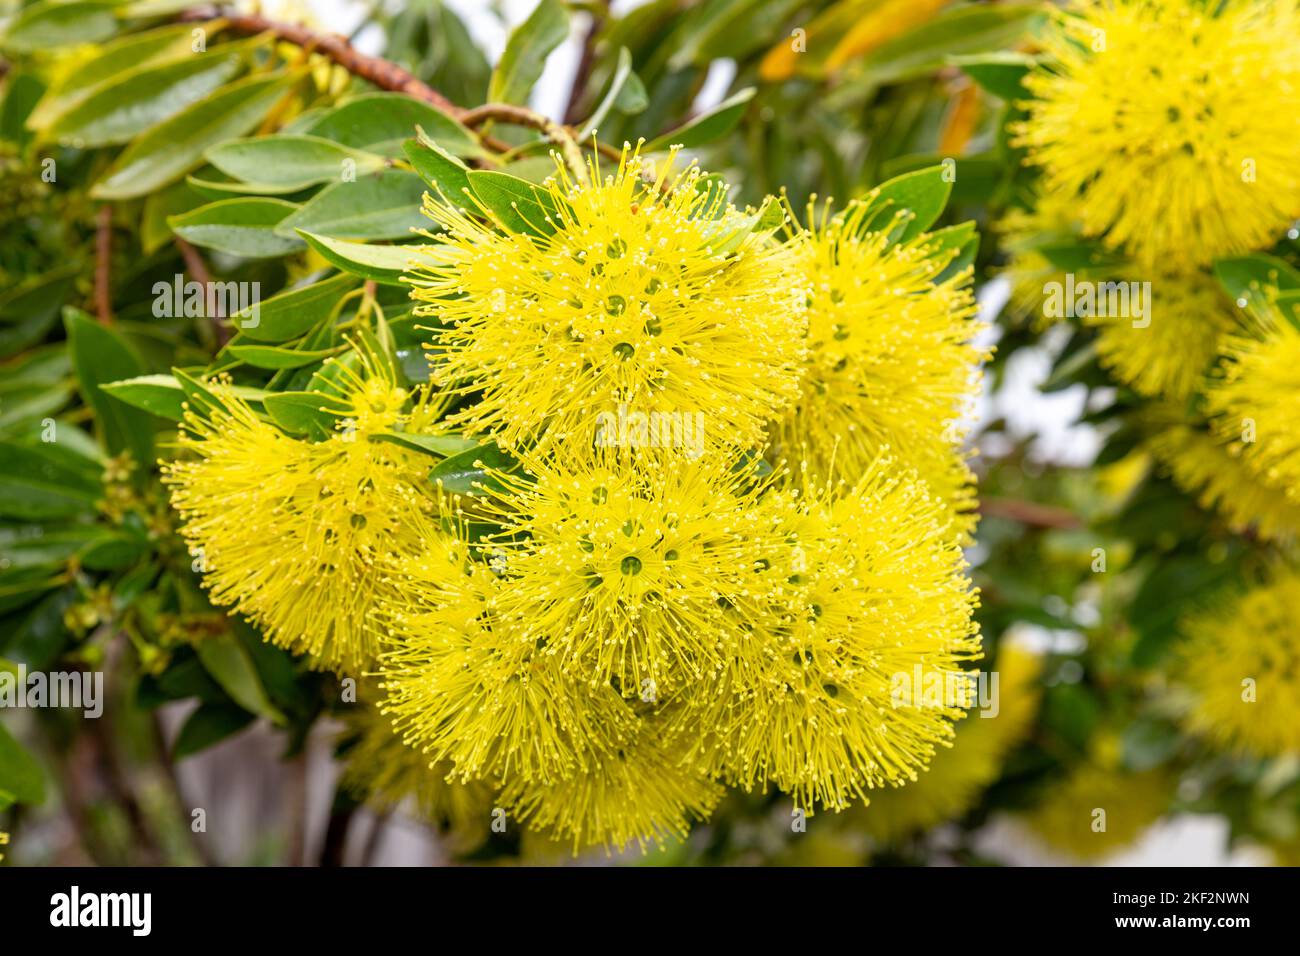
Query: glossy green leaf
[[48, 24], [385, 205], [172, 148], [625, 93], [923, 194], [241, 227], [1001, 73], [208, 725], [382, 122], [708, 126], [526, 51], [469, 472], [293, 313], [442, 171], [521, 206], [100, 356], [440, 446], [305, 413], [382, 263], [228, 661], [35, 485], [270, 356], [289, 163], [21, 778], [162, 395], [139, 100]]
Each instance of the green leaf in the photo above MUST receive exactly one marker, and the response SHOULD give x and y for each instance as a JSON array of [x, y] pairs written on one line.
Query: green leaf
[[173, 148], [305, 413], [22, 93], [240, 227], [923, 193], [520, 206], [959, 30], [382, 122], [35, 485], [1000, 73], [625, 93], [99, 356], [127, 107], [379, 206], [707, 127], [228, 661], [437, 167], [526, 51], [1253, 281], [21, 778], [291, 314], [382, 263], [290, 163], [468, 472], [112, 551], [42, 636], [439, 446], [961, 238], [124, 55], [270, 356], [176, 199], [209, 724], [47, 24], [163, 396]]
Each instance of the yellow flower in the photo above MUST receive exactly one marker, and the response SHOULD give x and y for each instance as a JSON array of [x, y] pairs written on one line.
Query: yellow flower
[[1173, 124], [958, 775], [290, 532], [891, 363], [1168, 353], [466, 686], [855, 589], [636, 794], [1256, 404], [1202, 466], [641, 293], [383, 771], [1241, 662], [622, 563], [1098, 809]]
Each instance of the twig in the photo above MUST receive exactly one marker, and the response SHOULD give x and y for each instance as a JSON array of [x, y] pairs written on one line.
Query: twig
[[1030, 513], [198, 270], [383, 74], [104, 265], [557, 133], [585, 62]]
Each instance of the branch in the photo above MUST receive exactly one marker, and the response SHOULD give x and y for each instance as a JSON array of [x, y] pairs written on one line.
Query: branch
[[1030, 513], [585, 62], [385, 75], [104, 265], [198, 271], [558, 134]]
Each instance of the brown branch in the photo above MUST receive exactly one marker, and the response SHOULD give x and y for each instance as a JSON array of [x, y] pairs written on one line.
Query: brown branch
[[198, 271], [383, 74], [557, 133], [104, 265], [585, 63], [1030, 513]]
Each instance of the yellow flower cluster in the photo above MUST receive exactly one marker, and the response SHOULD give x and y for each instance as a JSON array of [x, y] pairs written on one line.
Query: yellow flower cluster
[[731, 511]]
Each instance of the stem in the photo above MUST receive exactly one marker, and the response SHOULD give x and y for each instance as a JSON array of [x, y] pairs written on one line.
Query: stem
[[198, 271], [1030, 513], [104, 264], [557, 133], [385, 75], [585, 62]]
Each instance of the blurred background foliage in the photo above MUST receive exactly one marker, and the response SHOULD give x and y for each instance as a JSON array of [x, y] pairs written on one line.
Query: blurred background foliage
[[126, 158]]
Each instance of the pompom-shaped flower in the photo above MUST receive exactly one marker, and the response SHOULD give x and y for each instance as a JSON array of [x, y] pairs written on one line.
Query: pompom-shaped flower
[[1166, 353], [958, 775], [637, 794], [1241, 663], [465, 686], [630, 292], [382, 770], [858, 591], [1097, 810], [1257, 403], [1174, 124], [891, 363], [623, 563], [1202, 466], [290, 532]]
